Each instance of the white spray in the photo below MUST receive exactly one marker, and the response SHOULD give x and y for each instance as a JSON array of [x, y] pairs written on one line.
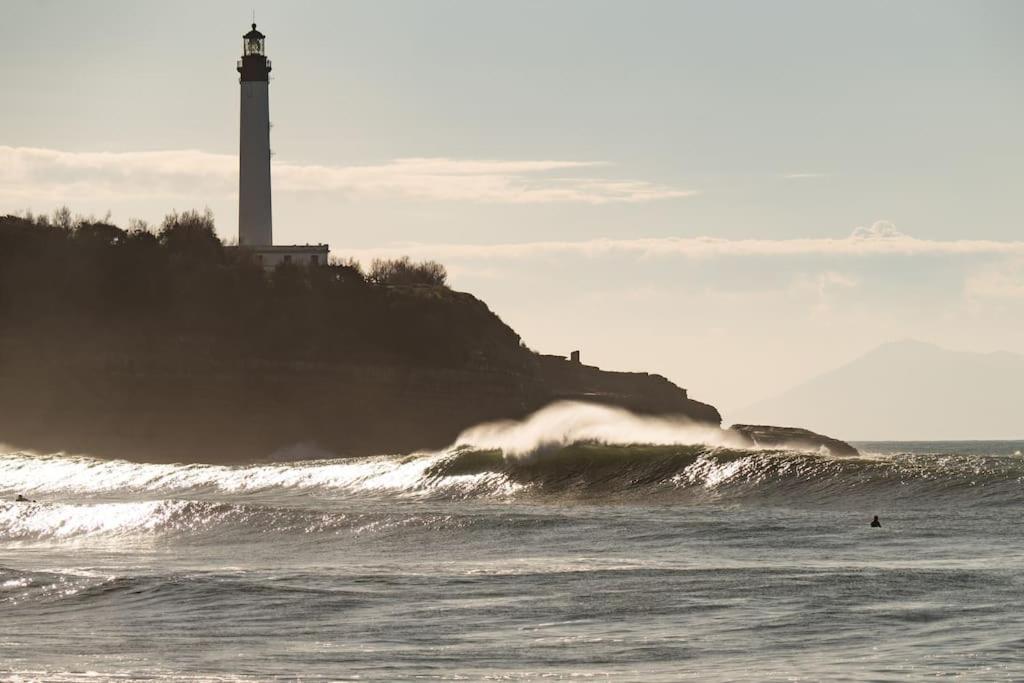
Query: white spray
[[567, 422]]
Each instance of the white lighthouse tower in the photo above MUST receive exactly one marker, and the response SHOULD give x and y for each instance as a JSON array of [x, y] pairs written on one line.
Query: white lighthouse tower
[[255, 224], [254, 213]]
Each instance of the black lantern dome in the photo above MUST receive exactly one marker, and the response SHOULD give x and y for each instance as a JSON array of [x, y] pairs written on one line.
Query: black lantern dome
[[254, 65], [253, 42]]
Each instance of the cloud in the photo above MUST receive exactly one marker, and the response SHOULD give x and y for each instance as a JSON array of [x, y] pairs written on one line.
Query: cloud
[[1006, 282], [31, 174], [879, 230], [881, 238], [822, 286]]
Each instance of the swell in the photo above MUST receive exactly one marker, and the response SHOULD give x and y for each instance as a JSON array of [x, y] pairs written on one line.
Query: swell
[[170, 592], [193, 522]]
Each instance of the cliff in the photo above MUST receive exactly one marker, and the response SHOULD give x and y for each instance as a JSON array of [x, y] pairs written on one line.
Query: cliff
[[165, 345], [160, 402]]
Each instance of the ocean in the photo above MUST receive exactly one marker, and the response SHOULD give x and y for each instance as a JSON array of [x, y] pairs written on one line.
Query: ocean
[[555, 555]]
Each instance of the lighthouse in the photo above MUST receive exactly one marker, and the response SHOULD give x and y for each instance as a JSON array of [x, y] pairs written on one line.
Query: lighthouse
[[255, 223], [254, 213]]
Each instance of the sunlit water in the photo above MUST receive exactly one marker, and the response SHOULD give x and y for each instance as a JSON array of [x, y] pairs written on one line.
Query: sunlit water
[[608, 562]]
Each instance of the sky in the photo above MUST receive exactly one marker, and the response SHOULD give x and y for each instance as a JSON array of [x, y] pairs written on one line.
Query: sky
[[736, 195]]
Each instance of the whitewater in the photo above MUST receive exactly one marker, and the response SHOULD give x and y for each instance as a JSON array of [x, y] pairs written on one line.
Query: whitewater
[[581, 543]]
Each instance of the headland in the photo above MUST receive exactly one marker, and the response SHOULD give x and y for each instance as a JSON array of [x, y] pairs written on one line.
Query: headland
[[166, 345]]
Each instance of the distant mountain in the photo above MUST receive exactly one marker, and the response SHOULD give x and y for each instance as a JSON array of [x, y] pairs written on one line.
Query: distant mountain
[[907, 390]]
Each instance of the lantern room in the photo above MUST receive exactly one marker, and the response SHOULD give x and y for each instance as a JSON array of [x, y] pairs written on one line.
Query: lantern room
[[252, 42], [254, 65]]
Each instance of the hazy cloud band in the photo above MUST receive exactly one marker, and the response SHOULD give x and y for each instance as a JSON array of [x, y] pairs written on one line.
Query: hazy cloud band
[[35, 174], [879, 239]]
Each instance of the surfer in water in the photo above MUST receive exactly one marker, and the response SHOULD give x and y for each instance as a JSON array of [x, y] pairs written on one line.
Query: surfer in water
[[875, 523], [22, 499]]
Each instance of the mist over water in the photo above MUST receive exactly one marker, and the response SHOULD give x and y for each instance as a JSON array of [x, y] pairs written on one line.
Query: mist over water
[[577, 543]]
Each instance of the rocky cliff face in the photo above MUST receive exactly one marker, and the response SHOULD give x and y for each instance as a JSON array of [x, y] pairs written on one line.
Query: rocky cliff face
[[171, 400], [148, 409], [640, 392]]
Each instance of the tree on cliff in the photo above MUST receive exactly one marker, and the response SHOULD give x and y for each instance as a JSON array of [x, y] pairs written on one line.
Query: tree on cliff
[[191, 237]]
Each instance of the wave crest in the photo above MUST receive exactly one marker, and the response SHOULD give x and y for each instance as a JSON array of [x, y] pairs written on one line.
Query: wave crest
[[584, 470], [582, 450]]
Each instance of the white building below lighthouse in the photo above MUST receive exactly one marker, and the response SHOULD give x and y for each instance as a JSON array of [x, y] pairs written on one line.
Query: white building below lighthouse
[[255, 216]]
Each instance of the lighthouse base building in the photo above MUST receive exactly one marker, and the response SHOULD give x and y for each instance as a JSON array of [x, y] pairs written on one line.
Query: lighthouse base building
[[272, 256], [255, 218]]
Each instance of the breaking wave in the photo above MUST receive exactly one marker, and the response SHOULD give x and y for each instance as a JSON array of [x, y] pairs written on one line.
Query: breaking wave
[[595, 472], [48, 475], [573, 451]]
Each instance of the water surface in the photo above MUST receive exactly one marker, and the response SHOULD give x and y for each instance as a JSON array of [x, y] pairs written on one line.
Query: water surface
[[633, 563]]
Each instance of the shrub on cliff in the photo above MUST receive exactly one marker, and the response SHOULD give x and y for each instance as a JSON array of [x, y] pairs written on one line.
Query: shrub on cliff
[[403, 271]]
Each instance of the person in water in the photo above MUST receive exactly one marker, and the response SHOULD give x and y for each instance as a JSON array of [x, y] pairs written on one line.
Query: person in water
[[22, 499], [876, 523]]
